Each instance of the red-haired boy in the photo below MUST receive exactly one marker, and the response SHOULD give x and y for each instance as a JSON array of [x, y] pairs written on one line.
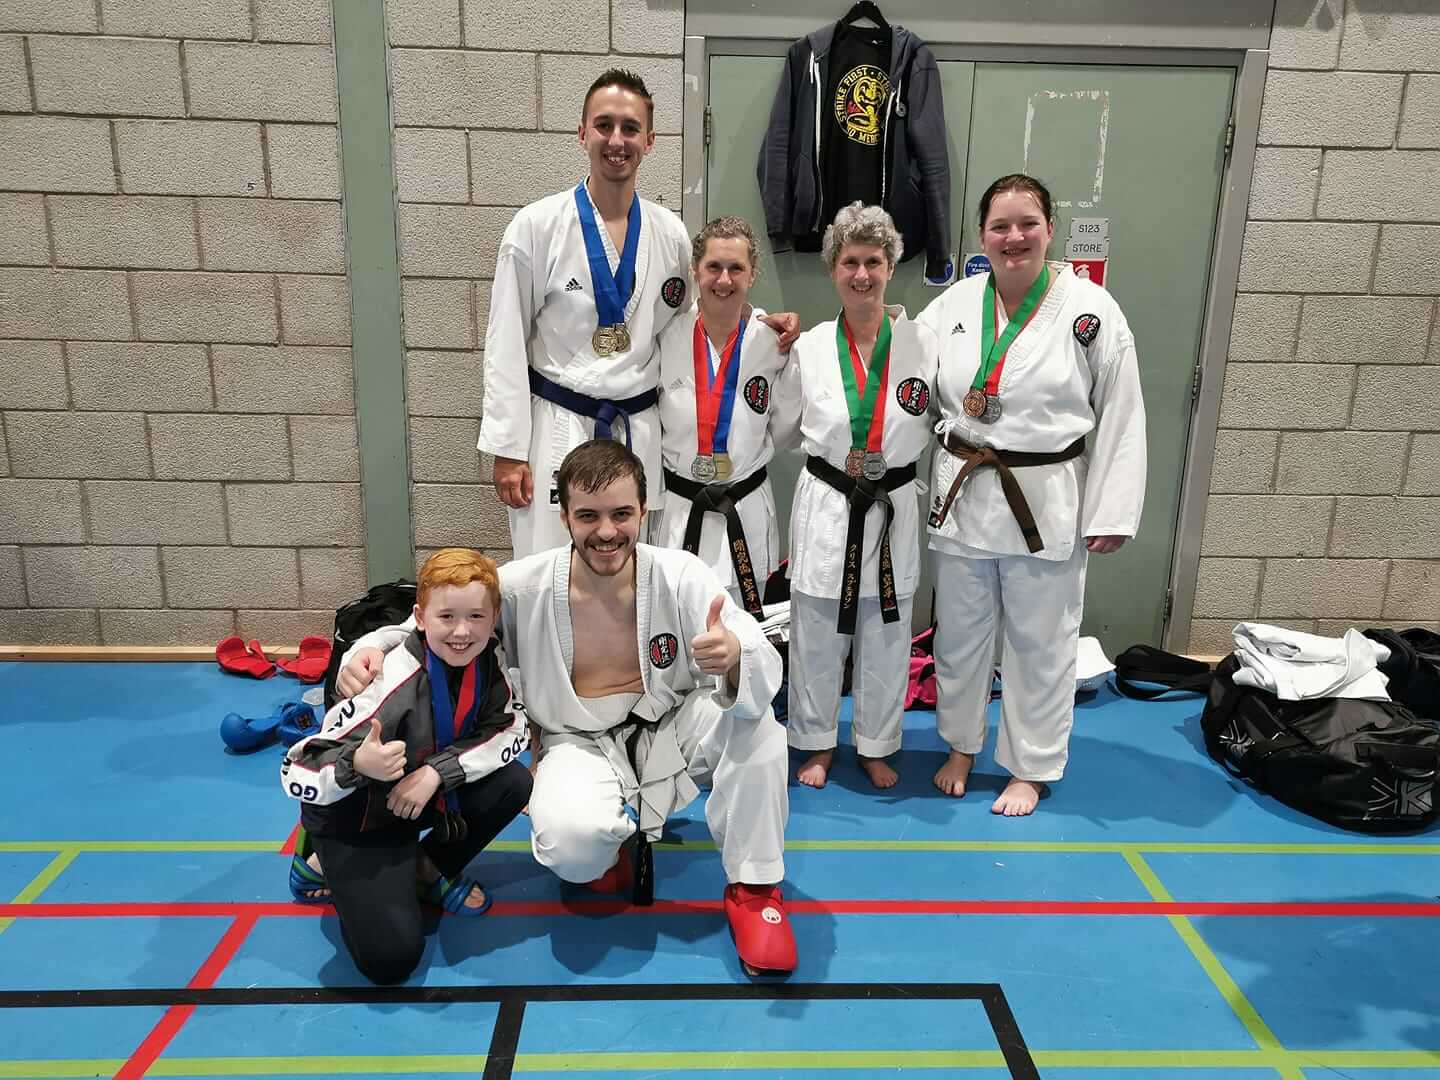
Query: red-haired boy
[[432, 743]]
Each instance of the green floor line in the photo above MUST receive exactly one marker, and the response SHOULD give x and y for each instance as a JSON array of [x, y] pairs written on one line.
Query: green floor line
[[1008, 846], [1245, 1012], [41, 881]]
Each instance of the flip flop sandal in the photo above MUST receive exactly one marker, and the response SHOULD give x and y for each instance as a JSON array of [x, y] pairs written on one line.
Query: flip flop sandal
[[304, 881], [451, 895]]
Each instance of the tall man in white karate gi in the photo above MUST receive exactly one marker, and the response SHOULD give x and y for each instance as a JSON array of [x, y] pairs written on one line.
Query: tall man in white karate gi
[[585, 281], [644, 678]]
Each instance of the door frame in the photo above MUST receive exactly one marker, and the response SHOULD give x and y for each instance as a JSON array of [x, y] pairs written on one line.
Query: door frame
[[1249, 67]]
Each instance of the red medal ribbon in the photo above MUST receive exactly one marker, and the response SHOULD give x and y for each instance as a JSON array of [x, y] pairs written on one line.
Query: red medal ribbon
[[709, 389]]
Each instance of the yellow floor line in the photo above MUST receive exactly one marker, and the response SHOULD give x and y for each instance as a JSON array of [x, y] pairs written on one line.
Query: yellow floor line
[[41, 882], [1012, 846], [1247, 1014], [1286, 1062]]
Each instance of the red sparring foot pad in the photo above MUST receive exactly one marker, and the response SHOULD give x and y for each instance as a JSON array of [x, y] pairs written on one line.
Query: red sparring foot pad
[[233, 657], [314, 658], [761, 929], [620, 878]]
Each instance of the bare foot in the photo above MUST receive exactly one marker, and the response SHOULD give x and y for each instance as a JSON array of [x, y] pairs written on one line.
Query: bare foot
[[816, 769], [880, 773], [313, 861], [1018, 798], [955, 774]]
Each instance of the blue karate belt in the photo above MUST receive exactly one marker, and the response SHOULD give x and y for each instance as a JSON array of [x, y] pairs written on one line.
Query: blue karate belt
[[604, 413]]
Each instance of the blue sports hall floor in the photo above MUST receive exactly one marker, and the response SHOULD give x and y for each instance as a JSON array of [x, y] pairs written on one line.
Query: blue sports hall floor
[[1153, 919]]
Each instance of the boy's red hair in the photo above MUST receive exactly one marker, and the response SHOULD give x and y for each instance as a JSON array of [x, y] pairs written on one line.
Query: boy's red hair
[[458, 567]]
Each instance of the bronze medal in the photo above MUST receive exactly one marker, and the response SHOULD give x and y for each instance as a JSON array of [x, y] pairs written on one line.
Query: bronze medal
[[621, 334], [854, 462], [874, 466], [703, 468], [603, 340], [974, 403], [992, 410], [723, 467]]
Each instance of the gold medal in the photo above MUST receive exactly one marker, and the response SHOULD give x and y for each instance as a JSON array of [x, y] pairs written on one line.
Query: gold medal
[[621, 334], [603, 340], [723, 467]]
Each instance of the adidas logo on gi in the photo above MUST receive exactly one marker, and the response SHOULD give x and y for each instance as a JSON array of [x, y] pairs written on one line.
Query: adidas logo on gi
[[959, 329], [572, 285]]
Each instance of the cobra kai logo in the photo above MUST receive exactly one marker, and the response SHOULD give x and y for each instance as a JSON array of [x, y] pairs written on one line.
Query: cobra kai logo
[[859, 101]]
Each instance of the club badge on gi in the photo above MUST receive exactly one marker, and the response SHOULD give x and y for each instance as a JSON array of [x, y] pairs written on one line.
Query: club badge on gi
[[757, 394], [913, 396], [673, 291], [664, 648], [1085, 328]]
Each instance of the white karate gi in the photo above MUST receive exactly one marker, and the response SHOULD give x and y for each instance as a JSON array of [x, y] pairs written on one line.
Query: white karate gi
[[761, 420], [542, 315], [1054, 388], [819, 520], [704, 733]]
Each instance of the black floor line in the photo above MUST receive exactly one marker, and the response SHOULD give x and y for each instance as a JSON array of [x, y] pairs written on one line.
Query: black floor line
[[513, 1000]]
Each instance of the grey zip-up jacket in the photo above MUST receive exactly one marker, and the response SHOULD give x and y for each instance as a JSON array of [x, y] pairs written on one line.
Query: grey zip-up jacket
[[915, 178]]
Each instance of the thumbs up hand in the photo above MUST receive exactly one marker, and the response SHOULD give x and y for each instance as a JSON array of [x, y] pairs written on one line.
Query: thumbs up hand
[[380, 760], [715, 649]]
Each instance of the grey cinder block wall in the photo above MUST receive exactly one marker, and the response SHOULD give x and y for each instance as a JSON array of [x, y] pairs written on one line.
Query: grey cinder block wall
[[486, 103], [1324, 509], [179, 457]]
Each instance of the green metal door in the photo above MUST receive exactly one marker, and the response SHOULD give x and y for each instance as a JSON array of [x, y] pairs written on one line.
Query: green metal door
[[1142, 147]]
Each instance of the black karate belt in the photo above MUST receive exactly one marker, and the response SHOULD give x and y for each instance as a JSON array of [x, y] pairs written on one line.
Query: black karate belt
[[863, 494], [604, 413], [722, 499], [1002, 461], [642, 866]]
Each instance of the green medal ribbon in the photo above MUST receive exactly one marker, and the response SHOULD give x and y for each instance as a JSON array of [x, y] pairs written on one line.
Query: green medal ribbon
[[867, 423], [987, 377]]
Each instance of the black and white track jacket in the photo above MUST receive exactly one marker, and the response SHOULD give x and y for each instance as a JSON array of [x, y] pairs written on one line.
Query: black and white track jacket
[[319, 771]]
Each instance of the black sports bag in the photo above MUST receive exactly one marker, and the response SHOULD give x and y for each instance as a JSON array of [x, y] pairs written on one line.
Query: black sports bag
[[1364, 765], [382, 605]]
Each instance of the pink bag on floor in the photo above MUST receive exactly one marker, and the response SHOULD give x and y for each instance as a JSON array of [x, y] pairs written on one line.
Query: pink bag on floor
[[920, 691]]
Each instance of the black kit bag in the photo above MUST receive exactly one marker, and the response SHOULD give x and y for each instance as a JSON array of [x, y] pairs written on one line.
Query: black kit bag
[[382, 605], [1370, 766], [1166, 672], [1413, 668]]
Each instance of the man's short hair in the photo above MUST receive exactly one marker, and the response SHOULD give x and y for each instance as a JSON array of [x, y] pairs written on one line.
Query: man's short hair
[[458, 567], [597, 464], [626, 80]]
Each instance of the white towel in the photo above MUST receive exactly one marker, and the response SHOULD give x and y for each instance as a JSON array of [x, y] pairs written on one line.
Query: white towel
[[1295, 666]]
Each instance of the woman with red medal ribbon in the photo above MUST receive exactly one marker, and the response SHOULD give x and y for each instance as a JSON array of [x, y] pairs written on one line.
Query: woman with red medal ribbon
[[1042, 462], [865, 387], [720, 417]]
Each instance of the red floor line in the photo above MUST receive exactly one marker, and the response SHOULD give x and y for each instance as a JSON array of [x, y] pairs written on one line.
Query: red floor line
[[174, 1019], [253, 911], [288, 848]]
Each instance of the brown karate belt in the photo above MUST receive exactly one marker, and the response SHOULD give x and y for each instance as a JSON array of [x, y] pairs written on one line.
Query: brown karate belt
[[1002, 461]]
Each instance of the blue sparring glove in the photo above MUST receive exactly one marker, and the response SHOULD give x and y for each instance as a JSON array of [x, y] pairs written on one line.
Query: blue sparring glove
[[246, 736], [297, 720]]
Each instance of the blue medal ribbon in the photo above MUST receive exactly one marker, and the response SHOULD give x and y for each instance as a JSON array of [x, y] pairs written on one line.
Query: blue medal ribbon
[[452, 720], [612, 291], [727, 398]]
